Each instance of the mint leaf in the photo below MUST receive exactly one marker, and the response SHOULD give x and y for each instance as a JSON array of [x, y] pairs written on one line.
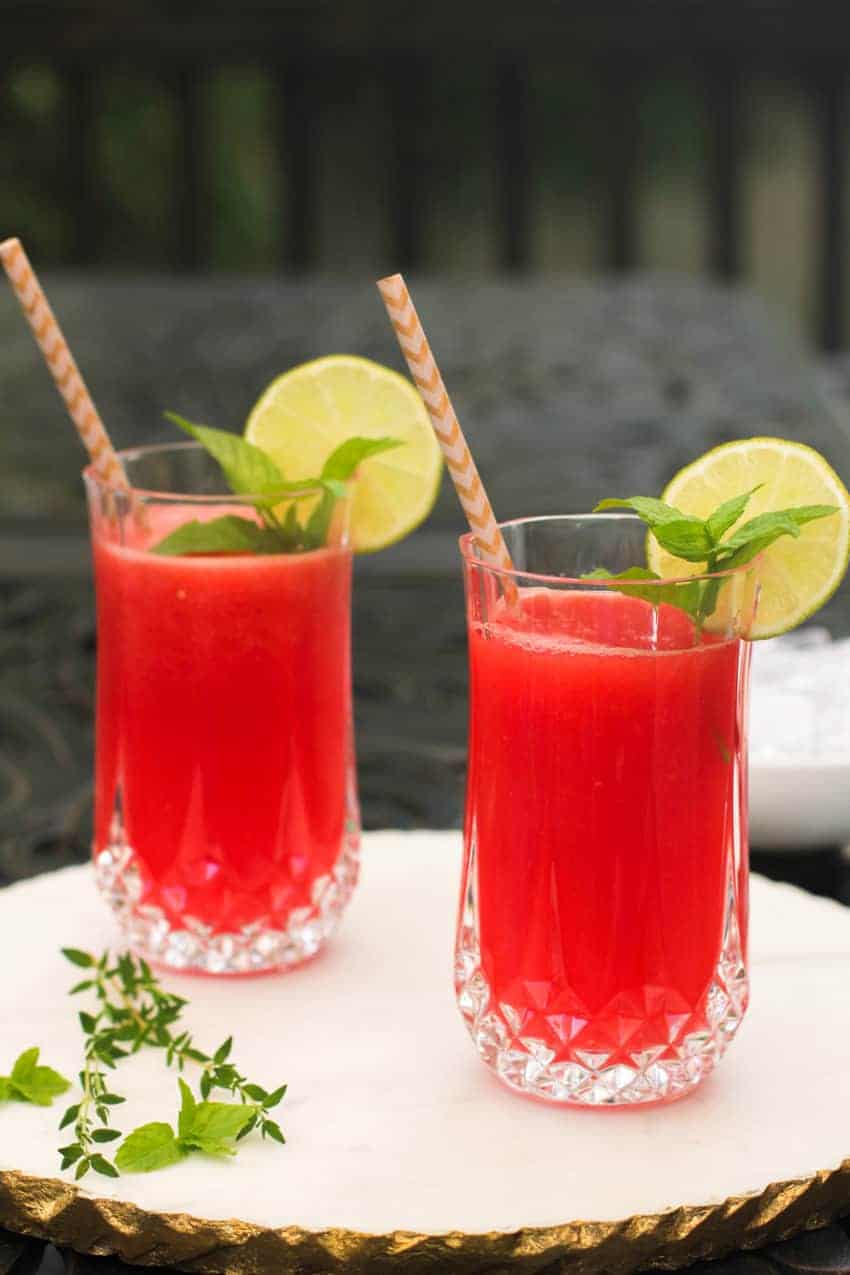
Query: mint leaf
[[229, 534], [316, 531], [653, 512], [727, 514], [151, 1146], [680, 534], [31, 1083], [334, 487], [686, 596], [336, 471], [761, 532], [769, 524], [210, 1126], [343, 461], [25, 1064], [810, 513], [187, 1109], [248, 470], [684, 538], [45, 1085], [290, 531], [632, 573], [208, 1146], [710, 593], [215, 1120], [315, 534]]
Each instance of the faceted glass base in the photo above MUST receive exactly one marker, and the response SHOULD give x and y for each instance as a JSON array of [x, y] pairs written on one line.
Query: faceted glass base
[[195, 946], [646, 1046]]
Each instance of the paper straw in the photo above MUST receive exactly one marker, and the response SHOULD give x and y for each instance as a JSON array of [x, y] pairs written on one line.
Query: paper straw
[[461, 466], [63, 369]]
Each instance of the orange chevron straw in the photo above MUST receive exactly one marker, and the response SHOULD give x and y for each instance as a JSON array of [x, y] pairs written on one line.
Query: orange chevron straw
[[461, 466], [59, 359]]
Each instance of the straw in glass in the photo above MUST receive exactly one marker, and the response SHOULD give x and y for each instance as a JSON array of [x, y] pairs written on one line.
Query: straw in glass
[[461, 466], [60, 361]]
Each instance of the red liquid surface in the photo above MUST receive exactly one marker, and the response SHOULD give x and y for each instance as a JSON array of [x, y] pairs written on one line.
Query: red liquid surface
[[604, 801], [223, 720]]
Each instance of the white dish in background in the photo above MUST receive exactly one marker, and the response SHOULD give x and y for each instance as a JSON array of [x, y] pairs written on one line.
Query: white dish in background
[[799, 805], [800, 742]]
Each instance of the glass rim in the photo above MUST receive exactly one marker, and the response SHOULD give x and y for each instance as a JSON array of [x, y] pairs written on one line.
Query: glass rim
[[467, 552], [130, 454]]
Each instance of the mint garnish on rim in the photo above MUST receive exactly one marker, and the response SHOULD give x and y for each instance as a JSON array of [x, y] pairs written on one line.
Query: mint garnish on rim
[[700, 541], [249, 472]]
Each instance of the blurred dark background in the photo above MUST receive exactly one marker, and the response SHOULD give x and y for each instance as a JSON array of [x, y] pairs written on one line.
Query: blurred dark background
[[625, 226], [311, 135]]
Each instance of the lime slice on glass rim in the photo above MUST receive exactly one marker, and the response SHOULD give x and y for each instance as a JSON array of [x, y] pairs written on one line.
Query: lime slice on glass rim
[[796, 576], [307, 412]]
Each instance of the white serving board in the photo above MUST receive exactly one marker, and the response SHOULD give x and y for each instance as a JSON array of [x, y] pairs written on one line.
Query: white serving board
[[392, 1121]]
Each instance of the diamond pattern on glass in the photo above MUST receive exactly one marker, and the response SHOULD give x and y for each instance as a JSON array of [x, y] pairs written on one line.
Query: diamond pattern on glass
[[645, 1047], [194, 946]]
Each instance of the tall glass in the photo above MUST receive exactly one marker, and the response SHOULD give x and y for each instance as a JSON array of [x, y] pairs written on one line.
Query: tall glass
[[226, 821], [602, 936]]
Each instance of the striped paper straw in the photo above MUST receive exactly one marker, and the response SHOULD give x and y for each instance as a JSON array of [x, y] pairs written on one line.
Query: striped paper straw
[[461, 466], [63, 369]]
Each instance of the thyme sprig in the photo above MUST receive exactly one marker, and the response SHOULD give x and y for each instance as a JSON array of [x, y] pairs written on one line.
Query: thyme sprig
[[134, 1011]]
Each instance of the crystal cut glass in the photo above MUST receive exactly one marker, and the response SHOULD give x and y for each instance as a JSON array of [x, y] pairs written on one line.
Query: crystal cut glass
[[602, 932], [226, 816]]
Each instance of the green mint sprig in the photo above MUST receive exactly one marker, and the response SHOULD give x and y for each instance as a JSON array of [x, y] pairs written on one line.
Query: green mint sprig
[[249, 471], [32, 1082], [701, 541], [211, 1128], [134, 1011], [686, 596], [218, 1072]]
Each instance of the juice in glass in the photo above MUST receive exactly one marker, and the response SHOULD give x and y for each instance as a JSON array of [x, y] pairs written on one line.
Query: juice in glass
[[602, 936], [226, 825]]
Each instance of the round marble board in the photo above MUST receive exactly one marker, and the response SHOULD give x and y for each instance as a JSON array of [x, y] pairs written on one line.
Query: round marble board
[[402, 1150]]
